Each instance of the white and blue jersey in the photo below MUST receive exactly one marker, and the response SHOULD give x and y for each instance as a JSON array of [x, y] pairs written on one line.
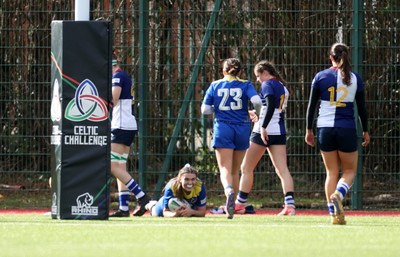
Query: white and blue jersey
[[122, 116], [337, 99], [230, 97], [276, 125]]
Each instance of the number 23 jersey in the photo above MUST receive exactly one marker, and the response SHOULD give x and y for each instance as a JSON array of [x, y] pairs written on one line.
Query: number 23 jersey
[[230, 97]]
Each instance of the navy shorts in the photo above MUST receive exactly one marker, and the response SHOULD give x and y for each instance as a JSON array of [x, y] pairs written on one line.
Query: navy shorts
[[123, 137], [272, 139], [231, 135], [337, 139]]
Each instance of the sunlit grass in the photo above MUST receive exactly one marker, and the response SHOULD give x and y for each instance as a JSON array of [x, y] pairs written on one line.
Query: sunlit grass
[[214, 235]]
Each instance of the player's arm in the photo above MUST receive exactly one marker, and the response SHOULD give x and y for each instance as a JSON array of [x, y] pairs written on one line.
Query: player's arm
[[207, 106], [116, 88], [256, 101], [170, 214], [207, 109], [200, 211], [312, 105], [362, 113], [168, 194], [116, 93], [270, 102]]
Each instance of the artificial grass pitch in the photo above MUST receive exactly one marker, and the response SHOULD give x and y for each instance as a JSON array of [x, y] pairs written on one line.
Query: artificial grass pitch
[[214, 235]]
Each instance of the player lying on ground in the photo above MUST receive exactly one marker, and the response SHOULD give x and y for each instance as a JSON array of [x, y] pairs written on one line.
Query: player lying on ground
[[184, 196]]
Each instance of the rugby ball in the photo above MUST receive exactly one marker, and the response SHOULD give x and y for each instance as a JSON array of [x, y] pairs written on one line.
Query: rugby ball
[[175, 203]]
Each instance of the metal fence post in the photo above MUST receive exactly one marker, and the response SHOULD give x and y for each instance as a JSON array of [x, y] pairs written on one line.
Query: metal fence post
[[143, 89], [356, 197]]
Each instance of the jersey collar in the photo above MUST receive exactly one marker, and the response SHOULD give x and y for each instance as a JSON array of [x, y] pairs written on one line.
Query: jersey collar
[[230, 77]]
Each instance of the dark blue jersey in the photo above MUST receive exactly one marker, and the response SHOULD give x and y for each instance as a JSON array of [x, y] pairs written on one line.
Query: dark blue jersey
[[123, 117]]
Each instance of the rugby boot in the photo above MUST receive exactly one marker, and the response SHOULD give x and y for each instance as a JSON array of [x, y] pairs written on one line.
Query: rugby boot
[[120, 214], [230, 205], [141, 205], [339, 218]]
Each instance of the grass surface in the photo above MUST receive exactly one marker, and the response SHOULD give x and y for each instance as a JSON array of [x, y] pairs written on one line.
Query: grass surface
[[248, 235]]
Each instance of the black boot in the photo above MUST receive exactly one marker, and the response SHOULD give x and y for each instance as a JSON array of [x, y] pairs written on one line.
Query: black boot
[[141, 206], [119, 214]]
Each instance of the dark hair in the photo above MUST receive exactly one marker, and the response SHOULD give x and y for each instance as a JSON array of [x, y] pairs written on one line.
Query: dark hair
[[232, 66], [177, 186], [268, 66], [114, 60], [340, 53]]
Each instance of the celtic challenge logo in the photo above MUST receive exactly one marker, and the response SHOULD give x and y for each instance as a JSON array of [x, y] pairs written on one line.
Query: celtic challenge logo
[[86, 105]]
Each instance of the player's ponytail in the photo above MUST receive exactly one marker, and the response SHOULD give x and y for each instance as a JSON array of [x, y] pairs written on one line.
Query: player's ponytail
[[340, 53], [232, 66]]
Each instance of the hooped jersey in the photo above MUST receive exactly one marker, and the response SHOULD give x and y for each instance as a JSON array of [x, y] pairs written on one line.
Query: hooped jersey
[[196, 198], [276, 126], [122, 116], [230, 97], [337, 99]]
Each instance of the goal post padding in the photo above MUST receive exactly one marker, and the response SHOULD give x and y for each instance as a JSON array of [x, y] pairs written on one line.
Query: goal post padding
[[80, 106]]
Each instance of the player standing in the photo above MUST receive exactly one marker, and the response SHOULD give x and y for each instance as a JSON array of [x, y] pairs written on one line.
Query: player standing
[[228, 98], [269, 133], [338, 88], [123, 131]]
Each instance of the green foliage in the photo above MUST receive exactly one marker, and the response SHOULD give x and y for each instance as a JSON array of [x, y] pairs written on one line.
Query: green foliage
[[295, 35], [206, 160]]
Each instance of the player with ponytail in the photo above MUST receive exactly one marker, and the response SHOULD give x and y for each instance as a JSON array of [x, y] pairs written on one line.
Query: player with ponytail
[[228, 98], [339, 89]]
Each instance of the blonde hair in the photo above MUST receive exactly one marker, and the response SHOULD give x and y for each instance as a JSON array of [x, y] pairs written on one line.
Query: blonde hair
[[176, 185]]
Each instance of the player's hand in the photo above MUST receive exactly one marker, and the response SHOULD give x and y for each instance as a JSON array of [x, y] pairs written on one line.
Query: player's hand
[[253, 116], [179, 211], [309, 138], [264, 135], [185, 211], [366, 139]]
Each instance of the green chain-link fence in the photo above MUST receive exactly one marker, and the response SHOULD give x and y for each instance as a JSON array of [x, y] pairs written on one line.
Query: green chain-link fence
[[173, 49]]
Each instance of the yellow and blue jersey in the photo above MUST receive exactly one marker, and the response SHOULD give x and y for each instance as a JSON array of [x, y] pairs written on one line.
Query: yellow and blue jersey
[[196, 198]]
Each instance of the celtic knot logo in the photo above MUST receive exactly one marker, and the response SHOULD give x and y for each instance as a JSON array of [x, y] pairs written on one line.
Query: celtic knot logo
[[87, 105]]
